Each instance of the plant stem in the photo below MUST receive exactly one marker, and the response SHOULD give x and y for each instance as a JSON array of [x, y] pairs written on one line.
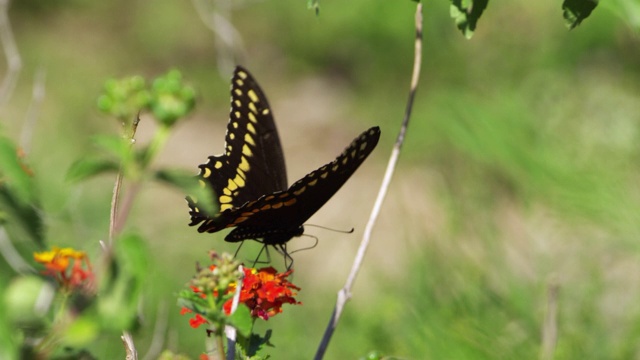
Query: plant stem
[[345, 293]]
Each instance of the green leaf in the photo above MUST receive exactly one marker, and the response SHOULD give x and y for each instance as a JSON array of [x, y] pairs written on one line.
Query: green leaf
[[88, 167], [14, 173], [190, 185], [81, 332], [574, 11], [256, 343], [314, 5], [116, 146], [466, 14], [18, 202], [241, 320]]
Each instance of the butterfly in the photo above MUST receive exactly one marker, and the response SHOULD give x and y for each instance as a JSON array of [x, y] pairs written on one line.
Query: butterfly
[[249, 179]]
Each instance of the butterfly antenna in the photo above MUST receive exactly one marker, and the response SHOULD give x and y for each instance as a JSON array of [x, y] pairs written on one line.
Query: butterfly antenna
[[331, 229], [309, 247]]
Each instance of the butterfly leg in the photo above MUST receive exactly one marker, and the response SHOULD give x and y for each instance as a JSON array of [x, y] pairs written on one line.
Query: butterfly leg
[[235, 255], [266, 251]]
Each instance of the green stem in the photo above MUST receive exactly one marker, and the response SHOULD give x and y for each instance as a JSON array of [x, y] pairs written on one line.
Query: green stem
[[157, 143]]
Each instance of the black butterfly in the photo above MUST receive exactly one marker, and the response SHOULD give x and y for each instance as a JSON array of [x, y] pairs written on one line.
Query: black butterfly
[[250, 178]]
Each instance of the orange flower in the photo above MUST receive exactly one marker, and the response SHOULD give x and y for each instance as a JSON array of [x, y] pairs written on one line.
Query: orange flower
[[197, 320], [70, 268], [264, 291]]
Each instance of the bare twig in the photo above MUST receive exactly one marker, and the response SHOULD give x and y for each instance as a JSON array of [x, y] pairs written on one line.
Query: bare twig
[[130, 348], [550, 327], [159, 330], [230, 331], [116, 221], [37, 97], [14, 62], [215, 14], [345, 293], [12, 256]]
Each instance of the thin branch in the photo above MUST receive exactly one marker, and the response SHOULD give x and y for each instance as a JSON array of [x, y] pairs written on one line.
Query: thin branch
[[115, 221], [159, 330], [230, 331], [14, 62], [12, 256], [345, 293], [215, 15], [130, 348], [37, 97], [550, 327]]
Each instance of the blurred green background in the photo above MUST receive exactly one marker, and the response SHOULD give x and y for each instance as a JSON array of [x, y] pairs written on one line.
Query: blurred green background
[[520, 170]]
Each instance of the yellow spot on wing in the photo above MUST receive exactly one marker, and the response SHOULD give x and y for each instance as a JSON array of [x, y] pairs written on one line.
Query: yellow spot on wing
[[324, 175], [201, 183], [232, 136], [237, 114], [231, 185], [239, 181], [238, 92], [363, 146], [239, 82], [234, 124], [206, 173], [247, 150], [290, 202], [249, 140], [299, 191], [277, 205], [224, 199], [242, 74], [252, 117], [313, 182], [266, 207], [252, 107], [237, 103], [265, 112], [224, 207], [226, 191], [253, 96], [334, 168], [251, 128], [244, 164]]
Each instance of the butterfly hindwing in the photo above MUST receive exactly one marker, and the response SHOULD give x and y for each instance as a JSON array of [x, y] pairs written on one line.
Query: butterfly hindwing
[[280, 215]]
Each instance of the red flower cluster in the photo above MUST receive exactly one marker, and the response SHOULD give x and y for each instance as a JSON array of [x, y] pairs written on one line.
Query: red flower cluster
[[264, 291], [70, 268]]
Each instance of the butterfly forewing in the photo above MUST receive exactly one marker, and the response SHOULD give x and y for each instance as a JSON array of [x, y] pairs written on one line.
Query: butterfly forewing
[[252, 163]]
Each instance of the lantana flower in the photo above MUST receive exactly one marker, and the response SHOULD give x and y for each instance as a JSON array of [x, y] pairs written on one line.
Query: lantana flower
[[70, 268], [263, 291]]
